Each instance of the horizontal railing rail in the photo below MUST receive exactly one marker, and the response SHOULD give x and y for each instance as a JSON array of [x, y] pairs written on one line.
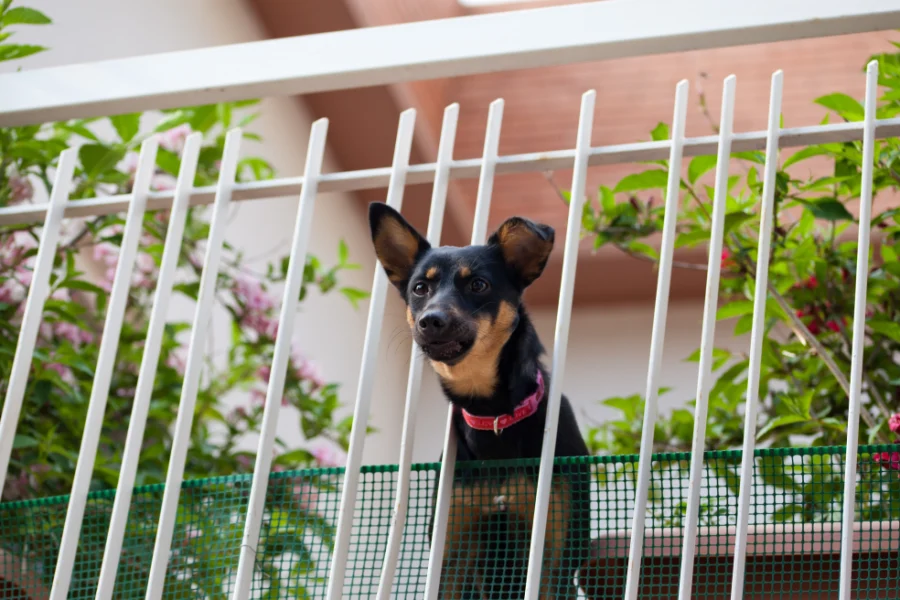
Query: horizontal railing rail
[[470, 168]]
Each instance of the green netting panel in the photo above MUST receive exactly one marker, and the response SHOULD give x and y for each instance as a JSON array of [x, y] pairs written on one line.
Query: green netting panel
[[793, 549]]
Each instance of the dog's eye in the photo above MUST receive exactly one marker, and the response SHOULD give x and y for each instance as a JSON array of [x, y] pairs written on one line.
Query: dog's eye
[[478, 285], [420, 289]]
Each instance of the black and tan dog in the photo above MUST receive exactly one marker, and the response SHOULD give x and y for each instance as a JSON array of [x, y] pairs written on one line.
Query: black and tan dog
[[464, 307]]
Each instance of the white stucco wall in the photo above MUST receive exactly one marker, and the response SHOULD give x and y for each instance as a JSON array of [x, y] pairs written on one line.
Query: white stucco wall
[[330, 331], [609, 346]]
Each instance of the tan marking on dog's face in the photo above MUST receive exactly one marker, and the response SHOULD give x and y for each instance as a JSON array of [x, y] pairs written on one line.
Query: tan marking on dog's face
[[465, 271], [431, 273], [396, 248], [476, 374], [410, 319]]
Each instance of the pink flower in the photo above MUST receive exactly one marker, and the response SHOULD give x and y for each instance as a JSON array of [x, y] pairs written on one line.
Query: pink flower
[[258, 396], [162, 182], [238, 414], [20, 188], [173, 139], [125, 392], [888, 460], [65, 373], [72, 333], [310, 372], [176, 360], [833, 326], [257, 305], [11, 292], [894, 423], [252, 295], [264, 372], [307, 496], [244, 461], [129, 164], [726, 260], [24, 276], [327, 456], [145, 273]]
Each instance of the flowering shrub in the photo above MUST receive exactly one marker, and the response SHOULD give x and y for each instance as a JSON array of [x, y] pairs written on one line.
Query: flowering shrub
[[806, 353], [49, 433]]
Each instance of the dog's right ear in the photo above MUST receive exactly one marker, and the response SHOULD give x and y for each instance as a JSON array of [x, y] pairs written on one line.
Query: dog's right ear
[[397, 245]]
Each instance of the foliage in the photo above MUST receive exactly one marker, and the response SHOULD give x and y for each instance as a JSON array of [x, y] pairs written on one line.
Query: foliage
[[56, 400], [812, 274]]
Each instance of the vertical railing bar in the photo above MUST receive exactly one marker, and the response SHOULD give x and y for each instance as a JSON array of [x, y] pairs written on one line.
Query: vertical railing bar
[[758, 333], [448, 463], [657, 339], [560, 344], [149, 363], [38, 291], [435, 225], [194, 365], [396, 187], [859, 330], [707, 341], [315, 155], [106, 360]]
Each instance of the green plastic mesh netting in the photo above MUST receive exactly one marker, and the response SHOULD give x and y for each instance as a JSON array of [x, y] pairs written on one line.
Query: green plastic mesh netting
[[794, 543]]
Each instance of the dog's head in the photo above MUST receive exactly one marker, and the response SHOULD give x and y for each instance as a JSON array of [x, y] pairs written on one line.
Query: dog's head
[[462, 303]]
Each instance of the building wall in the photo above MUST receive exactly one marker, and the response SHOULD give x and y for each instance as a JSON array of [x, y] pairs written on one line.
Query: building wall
[[608, 346], [330, 331]]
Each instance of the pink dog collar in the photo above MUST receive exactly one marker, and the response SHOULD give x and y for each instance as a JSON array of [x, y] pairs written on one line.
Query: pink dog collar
[[525, 409]]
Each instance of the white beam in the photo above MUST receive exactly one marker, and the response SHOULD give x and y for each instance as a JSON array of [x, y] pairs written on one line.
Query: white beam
[[424, 50]]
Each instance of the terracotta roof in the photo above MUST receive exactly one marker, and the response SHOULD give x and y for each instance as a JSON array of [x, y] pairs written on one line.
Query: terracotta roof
[[541, 112]]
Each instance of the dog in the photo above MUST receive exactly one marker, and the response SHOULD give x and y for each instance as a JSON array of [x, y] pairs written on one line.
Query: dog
[[465, 312]]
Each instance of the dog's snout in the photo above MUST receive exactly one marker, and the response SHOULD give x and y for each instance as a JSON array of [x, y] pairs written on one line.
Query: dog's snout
[[433, 322]]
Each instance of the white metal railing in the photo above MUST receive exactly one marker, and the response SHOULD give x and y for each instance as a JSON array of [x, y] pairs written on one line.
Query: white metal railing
[[53, 94]]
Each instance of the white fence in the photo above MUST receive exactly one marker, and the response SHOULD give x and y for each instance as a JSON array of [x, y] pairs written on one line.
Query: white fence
[[557, 35]]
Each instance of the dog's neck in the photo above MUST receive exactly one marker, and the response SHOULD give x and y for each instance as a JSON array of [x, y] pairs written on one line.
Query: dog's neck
[[495, 385]]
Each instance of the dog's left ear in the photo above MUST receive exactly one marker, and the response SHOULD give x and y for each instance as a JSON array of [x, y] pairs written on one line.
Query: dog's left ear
[[398, 245], [525, 247]]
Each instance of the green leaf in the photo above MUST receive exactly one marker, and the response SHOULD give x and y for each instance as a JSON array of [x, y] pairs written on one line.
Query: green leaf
[[607, 200], [23, 441], [642, 248], [691, 238], [354, 295], [804, 154], [126, 125], [735, 219], [700, 165], [886, 328], [843, 105], [168, 161], [21, 15], [660, 132], [781, 421], [97, 159], [16, 51], [343, 252], [77, 284], [648, 180], [829, 209], [735, 309], [744, 324]]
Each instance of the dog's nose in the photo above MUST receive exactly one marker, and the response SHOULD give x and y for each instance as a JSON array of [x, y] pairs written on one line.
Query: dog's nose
[[433, 322]]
